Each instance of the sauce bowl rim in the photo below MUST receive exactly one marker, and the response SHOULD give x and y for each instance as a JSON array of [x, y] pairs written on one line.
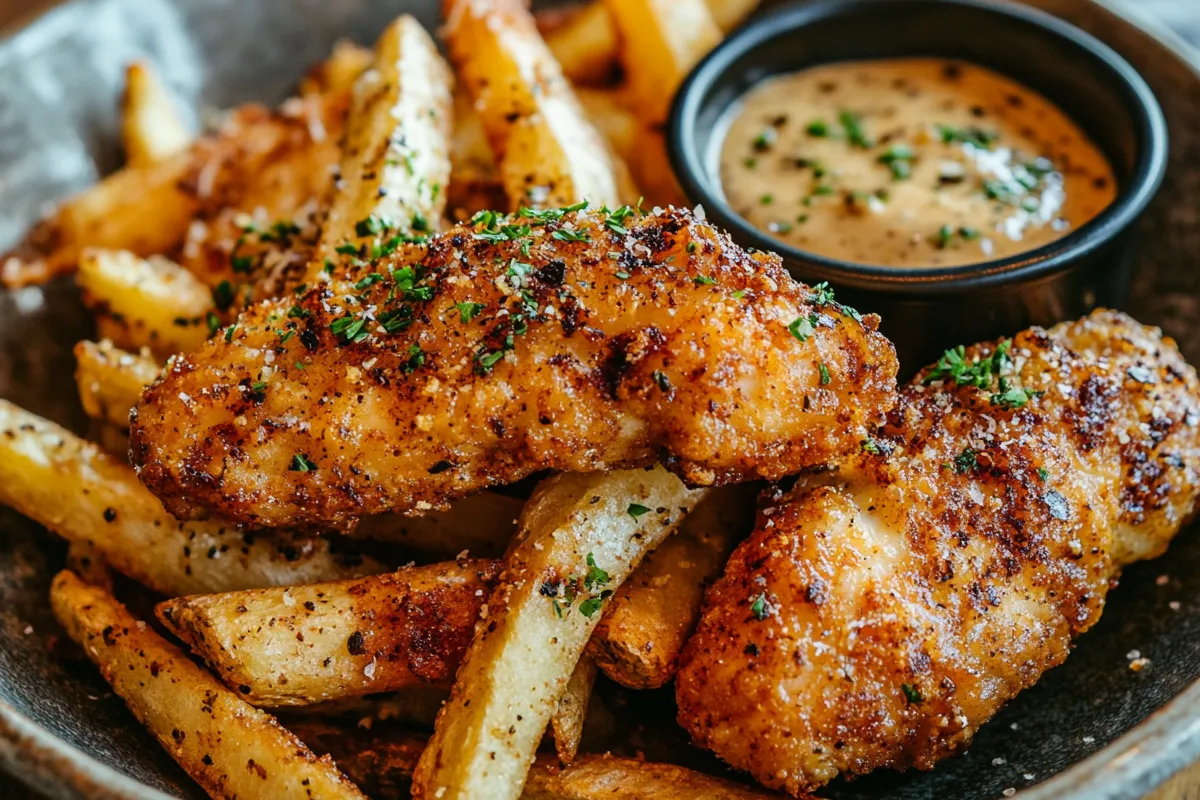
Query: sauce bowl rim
[[1132, 197]]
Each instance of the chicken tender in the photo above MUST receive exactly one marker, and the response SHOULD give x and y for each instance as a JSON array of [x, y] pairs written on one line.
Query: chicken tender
[[879, 615], [574, 340]]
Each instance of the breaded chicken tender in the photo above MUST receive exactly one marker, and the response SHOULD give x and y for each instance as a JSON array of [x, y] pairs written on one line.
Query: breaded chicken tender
[[572, 340], [880, 614]]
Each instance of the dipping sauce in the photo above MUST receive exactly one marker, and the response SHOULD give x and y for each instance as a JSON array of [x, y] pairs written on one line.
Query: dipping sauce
[[909, 163]]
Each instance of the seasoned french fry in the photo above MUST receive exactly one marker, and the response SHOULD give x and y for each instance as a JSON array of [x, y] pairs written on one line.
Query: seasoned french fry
[[382, 763], [306, 644], [226, 745], [110, 380], [580, 537], [160, 305], [396, 156], [338, 72], [80, 492], [643, 148], [567, 722], [151, 128], [654, 612], [586, 44], [661, 41], [550, 154], [84, 561], [728, 14], [482, 524]]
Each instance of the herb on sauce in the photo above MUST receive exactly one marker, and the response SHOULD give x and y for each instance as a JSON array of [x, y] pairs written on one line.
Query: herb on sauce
[[855, 135], [824, 371], [803, 327]]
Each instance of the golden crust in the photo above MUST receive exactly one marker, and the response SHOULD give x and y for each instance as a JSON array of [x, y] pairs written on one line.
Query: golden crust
[[580, 341], [878, 616]]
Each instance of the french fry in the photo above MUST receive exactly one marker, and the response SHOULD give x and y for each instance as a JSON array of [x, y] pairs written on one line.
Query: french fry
[[84, 561], [382, 761], [661, 41], [549, 153], [580, 537], [395, 164], [586, 44], [481, 524], [306, 644], [83, 494], [728, 14], [111, 380], [642, 147], [151, 128], [652, 615], [339, 71], [567, 722], [158, 303], [226, 745]]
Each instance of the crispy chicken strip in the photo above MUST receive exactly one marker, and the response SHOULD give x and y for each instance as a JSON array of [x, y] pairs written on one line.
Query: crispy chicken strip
[[569, 340], [879, 616]]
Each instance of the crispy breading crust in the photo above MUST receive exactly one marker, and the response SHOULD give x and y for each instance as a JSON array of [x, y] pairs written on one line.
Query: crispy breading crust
[[579, 341], [879, 616]]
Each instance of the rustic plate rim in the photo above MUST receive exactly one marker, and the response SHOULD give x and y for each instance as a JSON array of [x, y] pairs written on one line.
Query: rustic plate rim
[[1167, 741]]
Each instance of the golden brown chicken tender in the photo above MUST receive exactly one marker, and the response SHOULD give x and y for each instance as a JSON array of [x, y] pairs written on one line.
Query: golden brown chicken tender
[[572, 340], [878, 616]]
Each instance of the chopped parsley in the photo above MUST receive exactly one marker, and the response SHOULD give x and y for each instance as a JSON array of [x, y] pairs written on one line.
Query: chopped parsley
[[416, 358], [568, 235], [222, 295], [870, 446], [817, 129], [978, 372], [636, 510], [803, 327], [965, 461], [912, 694], [972, 135], [213, 321], [704, 280], [1012, 398], [349, 329], [824, 370], [898, 158], [855, 135], [765, 139], [1042, 474], [301, 463], [468, 311], [758, 607]]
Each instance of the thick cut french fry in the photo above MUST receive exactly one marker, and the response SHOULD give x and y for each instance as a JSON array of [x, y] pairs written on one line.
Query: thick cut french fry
[[307, 644], [152, 129], [567, 722], [80, 492], [381, 761], [111, 380], [482, 524], [339, 71], [661, 41], [580, 537], [550, 154], [642, 147], [644, 628], [586, 44], [84, 561], [158, 303], [395, 164], [226, 745]]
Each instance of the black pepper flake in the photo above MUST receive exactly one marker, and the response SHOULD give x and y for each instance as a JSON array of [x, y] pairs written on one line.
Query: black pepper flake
[[309, 340], [440, 467], [751, 649], [356, 644], [110, 515]]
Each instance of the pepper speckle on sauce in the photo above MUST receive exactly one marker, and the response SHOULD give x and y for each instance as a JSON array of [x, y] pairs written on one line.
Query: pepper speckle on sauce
[[909, 163]]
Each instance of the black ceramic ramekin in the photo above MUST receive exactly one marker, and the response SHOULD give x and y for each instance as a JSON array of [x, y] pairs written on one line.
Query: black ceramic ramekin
[[927, 310]]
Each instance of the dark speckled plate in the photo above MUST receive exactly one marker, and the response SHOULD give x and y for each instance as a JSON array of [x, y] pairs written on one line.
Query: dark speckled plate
[[1090, 729]]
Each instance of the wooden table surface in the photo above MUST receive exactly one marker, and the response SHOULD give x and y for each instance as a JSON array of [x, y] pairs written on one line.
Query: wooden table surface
[[1182, 16]]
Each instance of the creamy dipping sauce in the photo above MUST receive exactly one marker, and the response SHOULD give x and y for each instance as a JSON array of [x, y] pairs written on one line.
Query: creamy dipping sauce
[[917, 162]]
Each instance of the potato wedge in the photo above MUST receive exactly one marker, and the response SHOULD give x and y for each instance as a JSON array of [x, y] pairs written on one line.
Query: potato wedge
[[567, 723], [550, 154], [110, 380], [152, 129], [307, 644], [661, 41], [382, 760], [586, 44], [339, 71], [650, 617], [158, 303], [80, 492], [482, 524], [395, 163], [580, 537], [226, 745]]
